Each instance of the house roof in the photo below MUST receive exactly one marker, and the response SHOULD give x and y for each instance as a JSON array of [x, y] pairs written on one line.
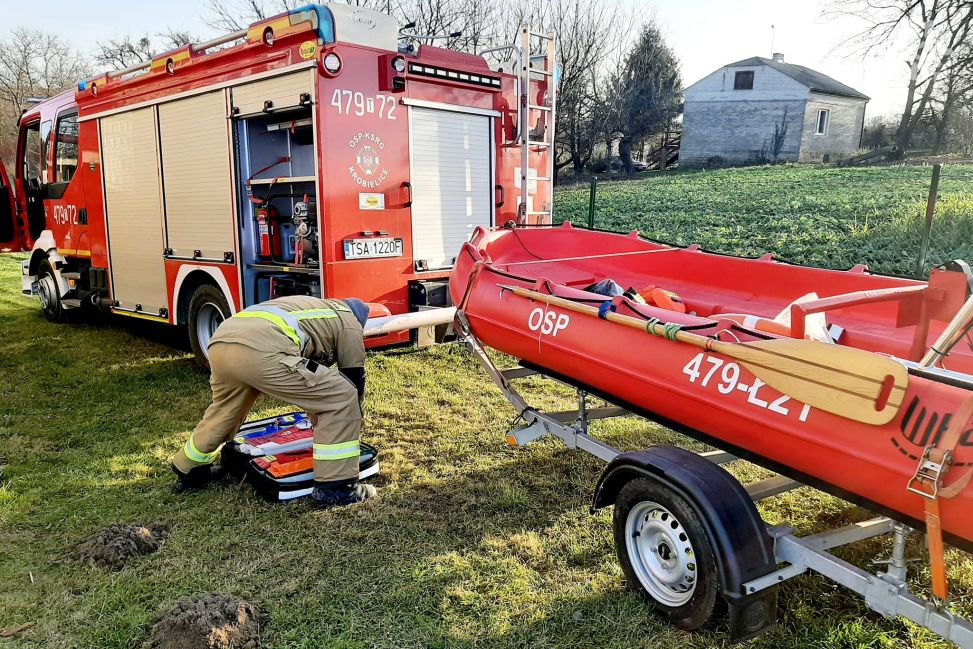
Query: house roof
[[813, 79]]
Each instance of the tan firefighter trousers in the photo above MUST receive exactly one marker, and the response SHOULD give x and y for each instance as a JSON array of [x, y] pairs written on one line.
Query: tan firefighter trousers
[[239, 374]]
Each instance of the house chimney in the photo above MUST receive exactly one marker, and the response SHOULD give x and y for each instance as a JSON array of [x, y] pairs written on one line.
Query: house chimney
[[778, 57]]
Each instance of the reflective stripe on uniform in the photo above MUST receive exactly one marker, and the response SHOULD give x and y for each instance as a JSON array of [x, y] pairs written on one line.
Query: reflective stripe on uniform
[[287, 321], [311, 314], [196, 455], [340, 451], [284, 321]]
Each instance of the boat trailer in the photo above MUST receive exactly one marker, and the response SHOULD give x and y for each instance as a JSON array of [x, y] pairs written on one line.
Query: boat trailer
[[659, 559]]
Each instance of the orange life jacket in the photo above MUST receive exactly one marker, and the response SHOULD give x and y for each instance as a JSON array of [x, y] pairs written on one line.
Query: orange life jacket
[[663, 299]]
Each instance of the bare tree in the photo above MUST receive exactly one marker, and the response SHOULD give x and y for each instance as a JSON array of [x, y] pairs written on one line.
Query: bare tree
[[126, 51], [36, 64], [234, 15], [961, 130], [480, 25], [440, 18], [954, 92], [586, 49], [479, 22], [935, 31], [33, 64], [122, 52]]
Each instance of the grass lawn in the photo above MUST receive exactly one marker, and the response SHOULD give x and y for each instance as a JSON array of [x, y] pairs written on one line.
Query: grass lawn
[[470, 544], [817, 215]]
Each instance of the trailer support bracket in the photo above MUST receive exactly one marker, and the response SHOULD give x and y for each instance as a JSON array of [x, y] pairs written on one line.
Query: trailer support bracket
[[885, 593]]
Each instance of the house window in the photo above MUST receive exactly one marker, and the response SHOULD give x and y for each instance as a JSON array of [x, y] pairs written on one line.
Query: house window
[[824, 118], [743, 80]]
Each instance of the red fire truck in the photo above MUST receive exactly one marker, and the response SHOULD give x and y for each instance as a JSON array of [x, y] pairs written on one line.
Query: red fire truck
[[322, 151]]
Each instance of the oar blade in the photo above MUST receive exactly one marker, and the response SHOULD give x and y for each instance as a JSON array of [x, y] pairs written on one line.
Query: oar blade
[[845, 381]]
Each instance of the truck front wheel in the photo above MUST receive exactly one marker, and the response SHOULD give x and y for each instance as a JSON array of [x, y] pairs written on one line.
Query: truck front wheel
[[207, 309], [49, 293]]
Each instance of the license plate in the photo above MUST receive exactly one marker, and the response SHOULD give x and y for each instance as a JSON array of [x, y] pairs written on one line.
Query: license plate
[[371, 248]]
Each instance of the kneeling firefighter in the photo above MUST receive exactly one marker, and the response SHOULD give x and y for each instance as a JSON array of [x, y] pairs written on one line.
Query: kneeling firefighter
[[285, 348]]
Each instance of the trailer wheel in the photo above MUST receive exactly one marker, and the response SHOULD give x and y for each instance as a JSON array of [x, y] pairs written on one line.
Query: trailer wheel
[[665, 553], [207, 309], [50, 296]]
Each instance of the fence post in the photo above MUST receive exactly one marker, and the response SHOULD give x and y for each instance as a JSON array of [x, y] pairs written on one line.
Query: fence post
[[664, 152], [591, 202], [930, 212]]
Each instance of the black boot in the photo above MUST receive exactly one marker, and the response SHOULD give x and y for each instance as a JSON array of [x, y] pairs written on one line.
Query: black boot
[[198, 477], [339, 493]]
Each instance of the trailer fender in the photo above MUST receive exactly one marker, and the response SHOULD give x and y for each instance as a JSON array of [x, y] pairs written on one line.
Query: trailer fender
[[744, 550]]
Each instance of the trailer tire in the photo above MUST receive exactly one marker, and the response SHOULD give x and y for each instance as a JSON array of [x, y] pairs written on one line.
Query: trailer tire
[[665, 553], [207, 309], [49, 293]]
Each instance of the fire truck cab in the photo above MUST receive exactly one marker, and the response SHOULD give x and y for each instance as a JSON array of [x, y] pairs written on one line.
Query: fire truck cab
[[317, 152]]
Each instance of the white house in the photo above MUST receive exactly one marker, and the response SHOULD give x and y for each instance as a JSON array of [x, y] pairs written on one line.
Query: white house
[[766, 109]]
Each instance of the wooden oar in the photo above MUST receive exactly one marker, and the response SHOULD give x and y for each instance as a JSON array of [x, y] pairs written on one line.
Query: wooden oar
[[845, 381]]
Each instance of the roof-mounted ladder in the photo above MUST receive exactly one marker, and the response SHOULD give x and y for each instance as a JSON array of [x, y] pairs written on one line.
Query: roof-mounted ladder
[[539, 136]]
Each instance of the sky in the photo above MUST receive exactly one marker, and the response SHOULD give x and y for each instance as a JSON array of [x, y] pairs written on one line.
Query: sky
[[705, 34]]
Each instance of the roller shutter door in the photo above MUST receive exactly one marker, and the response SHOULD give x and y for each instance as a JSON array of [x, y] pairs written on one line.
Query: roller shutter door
[[282, 92], [133, 205], [198, 177], [451, 179]]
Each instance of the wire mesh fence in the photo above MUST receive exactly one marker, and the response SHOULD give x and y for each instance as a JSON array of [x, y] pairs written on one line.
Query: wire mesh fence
[[820, 216]]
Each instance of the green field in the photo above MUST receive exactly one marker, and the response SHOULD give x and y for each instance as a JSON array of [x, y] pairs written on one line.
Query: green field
[[470, 544], [817, 215]]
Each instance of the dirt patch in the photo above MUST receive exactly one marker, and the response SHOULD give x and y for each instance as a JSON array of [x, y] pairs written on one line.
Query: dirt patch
[[211, 621], [115, 545]]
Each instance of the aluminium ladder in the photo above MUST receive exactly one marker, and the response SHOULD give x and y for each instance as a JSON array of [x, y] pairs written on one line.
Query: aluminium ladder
[[539, 67]]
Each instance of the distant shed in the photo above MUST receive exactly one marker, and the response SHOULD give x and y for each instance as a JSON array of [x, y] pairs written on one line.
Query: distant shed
[[733, 113]]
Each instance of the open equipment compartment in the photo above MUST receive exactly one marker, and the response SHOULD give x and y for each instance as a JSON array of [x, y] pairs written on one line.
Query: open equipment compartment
[[278, 196]]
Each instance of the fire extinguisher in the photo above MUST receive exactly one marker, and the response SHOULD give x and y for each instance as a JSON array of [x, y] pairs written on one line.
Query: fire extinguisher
[[263, 230], [264, 210]]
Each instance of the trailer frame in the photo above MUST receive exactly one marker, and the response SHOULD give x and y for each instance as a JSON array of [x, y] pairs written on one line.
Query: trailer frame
[[886, 592]]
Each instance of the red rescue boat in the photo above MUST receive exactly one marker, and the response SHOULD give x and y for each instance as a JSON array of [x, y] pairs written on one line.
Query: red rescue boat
[[512, 284]]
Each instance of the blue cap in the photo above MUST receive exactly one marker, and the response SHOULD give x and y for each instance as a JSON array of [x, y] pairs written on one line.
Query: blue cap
[[359, 308]]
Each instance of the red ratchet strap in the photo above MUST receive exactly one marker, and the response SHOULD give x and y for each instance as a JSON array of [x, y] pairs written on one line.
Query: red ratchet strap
[[929, 482], [474, 272], [261, 201]]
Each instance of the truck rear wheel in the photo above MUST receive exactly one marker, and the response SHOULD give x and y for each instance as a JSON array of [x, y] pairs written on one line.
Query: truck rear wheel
[[207, 309], [665, 553], [49, 293]]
